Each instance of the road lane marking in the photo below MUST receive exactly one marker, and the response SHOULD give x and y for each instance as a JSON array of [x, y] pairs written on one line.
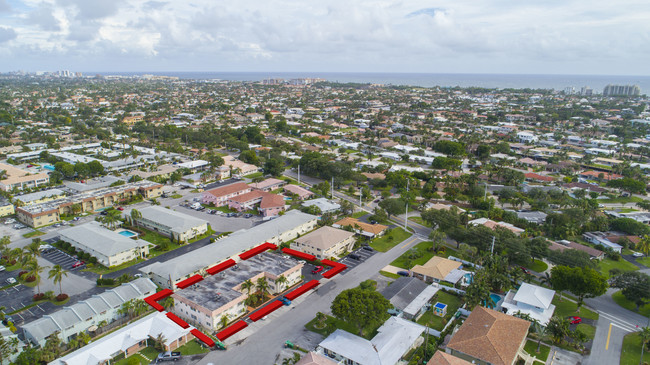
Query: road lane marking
[[609, 334]]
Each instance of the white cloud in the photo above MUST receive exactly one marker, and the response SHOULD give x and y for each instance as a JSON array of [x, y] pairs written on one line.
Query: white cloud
[[553, 36]]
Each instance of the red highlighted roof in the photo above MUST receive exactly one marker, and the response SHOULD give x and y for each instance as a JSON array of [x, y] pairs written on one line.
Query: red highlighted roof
[[302, 289], [221, 267], [257, 250], [231, 330], [266, 310], [188, 282], [333, 271], [299, 254], [177, 320], [201, 336], [153, 298]]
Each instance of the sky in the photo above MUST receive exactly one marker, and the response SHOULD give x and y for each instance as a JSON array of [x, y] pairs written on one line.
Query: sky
[[593, 37]]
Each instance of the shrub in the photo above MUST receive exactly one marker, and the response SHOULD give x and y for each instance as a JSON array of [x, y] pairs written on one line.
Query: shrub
[[39, 296], [61, 297], [30, 279], [20, 274]]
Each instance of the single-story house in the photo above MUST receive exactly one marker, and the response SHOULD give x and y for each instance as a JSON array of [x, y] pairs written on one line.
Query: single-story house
[[489, 337], [301, 192], [532, 300], [409, 295], [436, 269], [325, 206], [562, 245], [268, 185], [362, 228], [492, 225]]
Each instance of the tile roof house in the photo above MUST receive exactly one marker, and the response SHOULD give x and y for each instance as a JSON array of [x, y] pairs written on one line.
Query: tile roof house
[[270, 205], [362, 228], [268, 184], [435, 270], [443, 358], [325, 242], [493, 225], [394, 339], [532, 300], [219, 196], [488, 336], [562, 245], [301, 192]]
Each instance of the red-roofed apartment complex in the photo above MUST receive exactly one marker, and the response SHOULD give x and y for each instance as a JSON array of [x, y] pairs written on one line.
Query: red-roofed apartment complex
[[220, 196], [270, 205]]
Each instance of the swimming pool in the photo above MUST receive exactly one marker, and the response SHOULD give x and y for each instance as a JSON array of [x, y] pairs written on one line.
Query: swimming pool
[[127, 233], [48, 167], [441, 305], [495, 298]]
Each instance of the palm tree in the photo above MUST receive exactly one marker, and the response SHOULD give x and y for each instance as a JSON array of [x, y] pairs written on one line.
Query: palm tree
[[248, 285], [262, 286], [436, 238], [135, 215], [281, 282], [4, 243], [15, 254], [159, 342], [84, 338], [111, 217], [57, 273], [223, 321], [34, 269], [645, 337], [644, 245], [558, 328], [320, 319]]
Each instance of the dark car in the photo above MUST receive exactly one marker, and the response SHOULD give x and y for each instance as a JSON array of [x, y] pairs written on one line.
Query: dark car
[[526, 271], [248, 215], [373, 222], [354, 256], [367, 248], [403, 273]]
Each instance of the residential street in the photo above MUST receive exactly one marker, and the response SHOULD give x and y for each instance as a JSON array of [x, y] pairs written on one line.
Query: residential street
[[262, 346]]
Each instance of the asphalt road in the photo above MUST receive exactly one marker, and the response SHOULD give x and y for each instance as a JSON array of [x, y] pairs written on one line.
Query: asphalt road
[[262, 346]]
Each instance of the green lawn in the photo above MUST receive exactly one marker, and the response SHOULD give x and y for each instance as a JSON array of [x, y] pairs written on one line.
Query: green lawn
[[537, 266], [645, 261], [176, 196], [192, 348], [390, 239], [150, 352], [101, 270], [453, 303], [33, 234], [620, 200], [567, 308], [332, 324], [209, 233], [587, 329], [254, 175], [360, 214], [623, 302], [389, 275], [423, 250], [531, 348], [607, 264], [419, 221], [631, 351]]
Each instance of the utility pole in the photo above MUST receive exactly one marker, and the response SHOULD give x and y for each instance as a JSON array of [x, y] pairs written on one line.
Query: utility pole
[[298, 174], [406, 213], [332, 187], [485, 196], [360, 195], [492, 247]]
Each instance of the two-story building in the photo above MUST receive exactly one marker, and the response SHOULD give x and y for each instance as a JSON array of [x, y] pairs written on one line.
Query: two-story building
[[325, 242], [175, 225], [220, 196]]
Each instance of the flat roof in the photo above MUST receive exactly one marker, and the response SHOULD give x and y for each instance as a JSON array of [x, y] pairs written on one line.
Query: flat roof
[[181, 266], [176, 221], [215, 291], [101, 239]]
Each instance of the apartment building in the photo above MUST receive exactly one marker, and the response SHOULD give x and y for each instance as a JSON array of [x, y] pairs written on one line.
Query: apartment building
[[220, 196], [325, 242], [178, 226], [18, 179]]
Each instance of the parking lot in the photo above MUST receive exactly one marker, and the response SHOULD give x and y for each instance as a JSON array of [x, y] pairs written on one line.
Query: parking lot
[[352, 263], [59, 257]]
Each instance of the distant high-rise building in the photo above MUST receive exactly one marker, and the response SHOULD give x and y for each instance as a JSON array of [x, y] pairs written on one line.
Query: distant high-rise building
[[621, 90], [586, 91], [570, 90]]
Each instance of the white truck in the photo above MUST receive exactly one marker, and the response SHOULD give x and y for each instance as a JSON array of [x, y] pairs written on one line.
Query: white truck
[[168, 356]]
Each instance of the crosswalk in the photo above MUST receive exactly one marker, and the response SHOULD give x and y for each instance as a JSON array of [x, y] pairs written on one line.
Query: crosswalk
[[620, 323]]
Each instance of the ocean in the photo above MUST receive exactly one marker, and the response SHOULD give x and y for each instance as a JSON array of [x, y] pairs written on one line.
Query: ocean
[[501, 81]]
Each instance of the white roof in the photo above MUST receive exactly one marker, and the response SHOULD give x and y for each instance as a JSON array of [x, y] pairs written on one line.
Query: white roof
[[102, 240], [175, 221], [534, 295], [108, 347], [193, 164]]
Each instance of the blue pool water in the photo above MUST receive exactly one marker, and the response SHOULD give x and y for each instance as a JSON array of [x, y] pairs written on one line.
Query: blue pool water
[[495, 298], [468, 277], [48, 167], [441, 305], [127, 234]]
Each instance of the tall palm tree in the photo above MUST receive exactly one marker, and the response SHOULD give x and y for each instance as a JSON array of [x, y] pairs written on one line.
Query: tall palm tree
[[281, 281], [645, 337], [57, 273], [112, 217], [248, 285], [223, 321], [34, 269], [135, 215], [33, 249], [262, 286], [4, 243]]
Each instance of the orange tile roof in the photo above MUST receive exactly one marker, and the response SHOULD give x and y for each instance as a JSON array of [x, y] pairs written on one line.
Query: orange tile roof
[[228, 189], [443, 358], [367, 227], [490, 336]]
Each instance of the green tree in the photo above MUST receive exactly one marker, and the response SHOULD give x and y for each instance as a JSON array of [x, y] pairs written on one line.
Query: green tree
[[262, 286], [583, 282], [34, 269], [478, 292], [360, 308], [135, 215], [159, 342], [644, 245], [634, 285], [558, 328], [280, 282], [4, 243], [57, 273], [274, 167], [224, 320], [393, 206]]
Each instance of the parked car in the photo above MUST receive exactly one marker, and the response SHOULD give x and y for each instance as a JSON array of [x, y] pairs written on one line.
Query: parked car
[[56, 225], [247, 215], [526, 271], [2, 268], [367, 248], [317, 269], [354, 256], [169, 356], [284, 300], [576, 320], [120, 208], [637, 254], [373, 222], [45, 248], [11, 281], [78, 264], [76, 219], [403, 273]]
